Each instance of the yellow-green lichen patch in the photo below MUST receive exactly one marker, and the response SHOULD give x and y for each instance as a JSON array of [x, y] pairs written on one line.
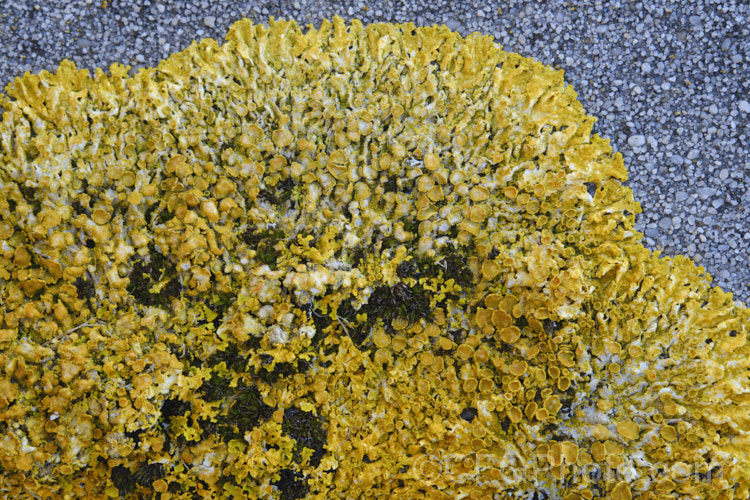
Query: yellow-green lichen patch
[[347, 261]]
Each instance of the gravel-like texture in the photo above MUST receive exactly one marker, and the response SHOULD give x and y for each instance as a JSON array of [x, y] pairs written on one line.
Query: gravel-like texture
[[669, 82]]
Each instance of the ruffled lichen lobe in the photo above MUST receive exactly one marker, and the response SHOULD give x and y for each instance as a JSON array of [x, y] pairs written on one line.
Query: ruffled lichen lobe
[[353, 260]]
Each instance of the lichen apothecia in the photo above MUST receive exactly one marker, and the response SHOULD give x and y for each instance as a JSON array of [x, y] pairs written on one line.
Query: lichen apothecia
[[344, 262]]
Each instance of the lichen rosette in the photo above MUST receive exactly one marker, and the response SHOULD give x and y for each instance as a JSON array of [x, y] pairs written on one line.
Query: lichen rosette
[[340, 262]]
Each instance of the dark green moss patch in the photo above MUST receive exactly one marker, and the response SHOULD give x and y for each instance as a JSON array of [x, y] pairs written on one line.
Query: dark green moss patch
[[357, 331], [285, 191], [220, 306], [244, 407], [147, 473], [291, 484], [122, 479], [174, 407], [399, 301], [135, 436], [146, 274], [231, 357], [79, 208], [455, 266], [266, 195], [385, 304], [358, 254], [247, 410], [154, 216], [522, 323], [539, 495], [505, 424], [280, 195], [263, 241], [550, 327], [308, 430], [449, 265], [163, 217], [271, 372], [85, 288], [215, 388], [391, 184], [30, 194]]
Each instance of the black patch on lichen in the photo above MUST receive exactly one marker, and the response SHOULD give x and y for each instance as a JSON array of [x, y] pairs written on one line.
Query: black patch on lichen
[[122, 479], [282, 194], [398, 301], [411, 225], [30, 195], [308, 430], [174, 407], [263, 241], [590, 188], [320, 320], [522, 323], [148, 473], [79, 209], [220, 304], [146, 274], [358, 255], [469, 414], [119, 209], [505, 424], [710, 475], [266, 195], [550, 327], [279, 370], [135, 436], [455, 266], [85, 288], [215, 388], [285, 190], [291, 484], [148, 214], [230, 356], [408, 268], [163, 217], [566, 410], [391, 184], [346, 315], [246, 411], [450, 265], [539, 495], [245, 408]]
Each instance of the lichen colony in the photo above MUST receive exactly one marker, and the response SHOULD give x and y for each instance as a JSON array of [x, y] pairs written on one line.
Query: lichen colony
[[343, 262]]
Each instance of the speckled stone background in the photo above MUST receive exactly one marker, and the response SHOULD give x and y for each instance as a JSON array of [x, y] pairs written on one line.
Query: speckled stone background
[[669, 82]]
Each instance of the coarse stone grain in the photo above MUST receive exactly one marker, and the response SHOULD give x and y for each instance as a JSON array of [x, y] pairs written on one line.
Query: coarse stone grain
[[636, 141]]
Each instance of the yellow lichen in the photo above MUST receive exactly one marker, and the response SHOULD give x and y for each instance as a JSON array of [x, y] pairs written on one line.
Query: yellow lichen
[[347, 261]]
